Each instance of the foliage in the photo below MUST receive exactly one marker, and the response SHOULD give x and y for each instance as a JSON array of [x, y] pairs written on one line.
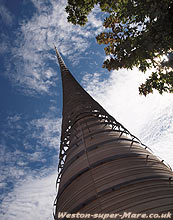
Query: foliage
[[137, 33]]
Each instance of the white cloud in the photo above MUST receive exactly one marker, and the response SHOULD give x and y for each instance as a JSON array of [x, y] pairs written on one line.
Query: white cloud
[[33, 55], [31, 199], [28, 147], [13, 119], [96, 21], [3, 45], [5, 15], [47, 131], [28, 191]]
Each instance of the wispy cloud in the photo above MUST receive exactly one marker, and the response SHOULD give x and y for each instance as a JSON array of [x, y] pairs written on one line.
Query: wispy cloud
[[31, 199], [3, 43], [6, 22], [28, 148], [33, 57], [47, 131], [5, 15]]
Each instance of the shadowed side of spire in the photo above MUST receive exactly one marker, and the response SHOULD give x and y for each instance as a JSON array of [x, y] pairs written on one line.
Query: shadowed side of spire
[[76, 100], [61, 61]]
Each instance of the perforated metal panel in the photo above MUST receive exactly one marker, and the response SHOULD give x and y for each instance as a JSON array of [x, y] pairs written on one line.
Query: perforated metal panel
[[103, 168]]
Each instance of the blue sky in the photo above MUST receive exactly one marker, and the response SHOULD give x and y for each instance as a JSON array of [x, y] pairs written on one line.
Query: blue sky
[[31, 100]]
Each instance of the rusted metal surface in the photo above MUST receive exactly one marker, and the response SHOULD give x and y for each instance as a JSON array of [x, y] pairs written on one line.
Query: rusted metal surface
[[103, 168]]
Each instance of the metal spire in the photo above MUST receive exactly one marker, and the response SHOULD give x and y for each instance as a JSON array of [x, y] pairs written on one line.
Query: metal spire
[[103, 168], [75, 99], [60, 60]]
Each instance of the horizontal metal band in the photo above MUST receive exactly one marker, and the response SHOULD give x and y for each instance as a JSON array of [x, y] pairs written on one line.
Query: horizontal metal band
[[97, 163], [117, 187], [92, 147], [95, 133]]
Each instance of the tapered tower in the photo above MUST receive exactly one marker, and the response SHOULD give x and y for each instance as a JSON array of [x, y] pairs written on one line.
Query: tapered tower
[[103, 168]]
